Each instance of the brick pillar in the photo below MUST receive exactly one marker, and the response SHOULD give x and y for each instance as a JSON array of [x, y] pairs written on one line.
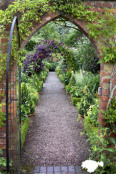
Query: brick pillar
[[13, 121], [3, 51], [105, 84]]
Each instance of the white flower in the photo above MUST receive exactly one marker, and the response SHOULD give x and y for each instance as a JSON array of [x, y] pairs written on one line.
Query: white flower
[[91, 165], [101, 164]]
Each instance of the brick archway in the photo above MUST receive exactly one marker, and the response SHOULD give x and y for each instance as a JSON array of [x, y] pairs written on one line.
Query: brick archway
[[105, 70], [51, 17]]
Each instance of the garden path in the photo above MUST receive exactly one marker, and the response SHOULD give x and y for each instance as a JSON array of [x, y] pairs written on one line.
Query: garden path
[[54, 138]]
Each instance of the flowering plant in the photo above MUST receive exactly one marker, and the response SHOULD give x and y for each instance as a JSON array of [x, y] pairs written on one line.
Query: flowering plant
[[35, 62], [91, 165]]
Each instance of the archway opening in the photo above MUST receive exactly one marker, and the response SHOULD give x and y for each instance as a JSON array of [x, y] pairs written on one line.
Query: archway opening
[[63, 69]]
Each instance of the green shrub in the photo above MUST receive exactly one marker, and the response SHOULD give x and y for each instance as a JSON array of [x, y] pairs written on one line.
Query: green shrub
[[40, 85], [42, 76], [67, 77], [71, 86], [61, 77], [74, 100], [67, 87], [32, 106], [25, 78], [78, 82], [86, 101], [58, 71], [91, 131], [93, 112], [25, 99], [78, 106], [73, 80], [2, 115], [24, 129], [87, 79], [27, 104], [53, 66], [74, 91], [47, 65], [110, 115], [30, 45], [36, 81], [102, 146], [34, 96]]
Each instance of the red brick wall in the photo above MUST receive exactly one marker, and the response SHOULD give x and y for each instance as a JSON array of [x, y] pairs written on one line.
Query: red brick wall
[[107, 83], [105, 72]]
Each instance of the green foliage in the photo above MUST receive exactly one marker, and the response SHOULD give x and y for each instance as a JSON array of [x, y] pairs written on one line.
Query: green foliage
[[93, 113], [85, 55], [47, 65], [30, 45], [110, 115], [24, 129], [36, 82], [34, 95], [72, 80], [2, 119], [29, 91], [42, 76], [87, 79], [103, 146], [104, 151], [86, 101], [53, 65], [78, 105], [91, 131], [58, 70], [64, 72], [99, 26], [27, 104], [74, 91], [45, 33], [2, 160], [67, 77], [104, 29], [2, 115], [74, 100], [71, 38], [61, 77], [3, 163], [78, 81]]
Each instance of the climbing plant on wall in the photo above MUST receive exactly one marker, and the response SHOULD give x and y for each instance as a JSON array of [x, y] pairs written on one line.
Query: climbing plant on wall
[[100, 26]]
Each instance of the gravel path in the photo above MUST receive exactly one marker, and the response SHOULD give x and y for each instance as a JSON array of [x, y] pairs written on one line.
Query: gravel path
[[54, 138]]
